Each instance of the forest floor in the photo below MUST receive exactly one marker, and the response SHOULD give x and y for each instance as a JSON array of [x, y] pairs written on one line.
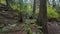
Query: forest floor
[[53, 28], [20, 29]]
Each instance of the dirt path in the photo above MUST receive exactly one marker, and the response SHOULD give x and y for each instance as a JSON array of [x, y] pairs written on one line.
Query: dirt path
[[54, 28]]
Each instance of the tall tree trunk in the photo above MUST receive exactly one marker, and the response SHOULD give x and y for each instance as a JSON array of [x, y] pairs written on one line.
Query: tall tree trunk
[[7, 3], [34, 8], [42, 18], [53, 3], [20, 20]]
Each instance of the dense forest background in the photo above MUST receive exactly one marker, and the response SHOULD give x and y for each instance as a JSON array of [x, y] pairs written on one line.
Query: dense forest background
[[28, 15]]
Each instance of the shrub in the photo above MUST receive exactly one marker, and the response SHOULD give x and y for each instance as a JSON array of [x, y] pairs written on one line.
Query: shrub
[[52, 13]]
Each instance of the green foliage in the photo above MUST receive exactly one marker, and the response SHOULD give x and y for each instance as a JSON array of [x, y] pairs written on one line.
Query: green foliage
[[30, 31], [37, 10], [52, 13], [3, 2], [25, 26], [26, 9], [16, 6]]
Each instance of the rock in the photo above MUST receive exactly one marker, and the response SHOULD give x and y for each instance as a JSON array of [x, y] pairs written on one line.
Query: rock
[[7, 18], [5, 29]]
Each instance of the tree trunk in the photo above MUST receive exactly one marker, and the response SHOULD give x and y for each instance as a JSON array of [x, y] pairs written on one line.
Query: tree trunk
[[34, 8], [8, 3], [20, 20], [42, 18], [53, 3]]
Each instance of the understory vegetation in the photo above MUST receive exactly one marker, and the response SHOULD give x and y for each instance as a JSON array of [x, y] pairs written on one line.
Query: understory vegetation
[[22, 15]]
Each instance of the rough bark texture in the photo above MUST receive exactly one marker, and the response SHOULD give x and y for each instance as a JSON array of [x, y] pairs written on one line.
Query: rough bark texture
[[21, 17], [42, 18], [34, 8], [54, 3]]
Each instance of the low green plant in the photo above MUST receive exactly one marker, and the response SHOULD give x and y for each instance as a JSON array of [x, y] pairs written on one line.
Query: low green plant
[[52, 13], [25, 26], [3, 2]]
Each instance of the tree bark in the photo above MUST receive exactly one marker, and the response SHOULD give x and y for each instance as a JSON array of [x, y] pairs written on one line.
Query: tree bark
[[53, 3], [20, 20], [34, 8], [7, 3], [42, 18]]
